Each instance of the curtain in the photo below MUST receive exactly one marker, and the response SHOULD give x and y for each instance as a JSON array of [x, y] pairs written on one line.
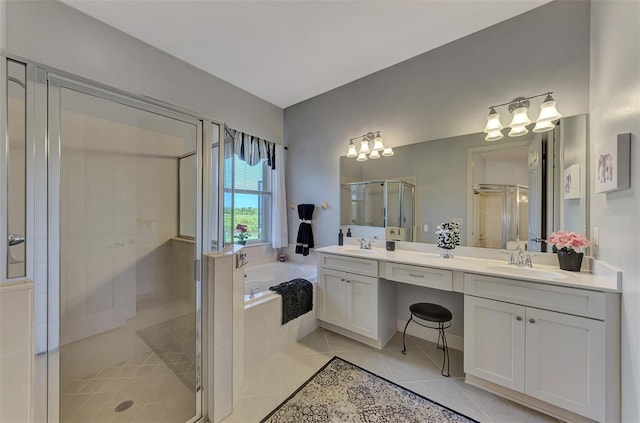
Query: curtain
[[279, 229], [253, 149]]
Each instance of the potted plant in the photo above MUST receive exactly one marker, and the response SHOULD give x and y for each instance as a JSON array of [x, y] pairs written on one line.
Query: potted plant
[[570, 247], [241, 234]]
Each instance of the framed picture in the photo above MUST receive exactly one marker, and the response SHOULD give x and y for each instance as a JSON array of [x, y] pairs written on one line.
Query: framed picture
[[612, 164], [571, 182]]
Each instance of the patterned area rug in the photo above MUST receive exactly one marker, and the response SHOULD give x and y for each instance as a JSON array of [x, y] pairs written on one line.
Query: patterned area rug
[[343, 392]]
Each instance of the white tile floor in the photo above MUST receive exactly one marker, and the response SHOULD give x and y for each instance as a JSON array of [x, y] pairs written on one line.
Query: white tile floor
[[157, 393], [274, 380]]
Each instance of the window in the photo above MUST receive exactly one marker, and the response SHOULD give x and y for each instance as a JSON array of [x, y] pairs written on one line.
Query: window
[[247, 200]]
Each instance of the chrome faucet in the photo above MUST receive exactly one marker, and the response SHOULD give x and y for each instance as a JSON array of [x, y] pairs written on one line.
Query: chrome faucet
[[521, 260], [365, 244], [254, 291]]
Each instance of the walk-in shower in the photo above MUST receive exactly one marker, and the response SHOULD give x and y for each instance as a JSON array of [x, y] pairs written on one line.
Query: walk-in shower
[[107, 205]]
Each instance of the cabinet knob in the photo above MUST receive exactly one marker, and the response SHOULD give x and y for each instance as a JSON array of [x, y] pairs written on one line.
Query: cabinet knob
[[532, 320], [519, 318], [342, 280], [348, 281]]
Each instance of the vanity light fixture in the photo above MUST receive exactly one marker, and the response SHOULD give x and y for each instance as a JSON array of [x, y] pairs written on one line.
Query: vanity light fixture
[[519, 107], [371, 147]]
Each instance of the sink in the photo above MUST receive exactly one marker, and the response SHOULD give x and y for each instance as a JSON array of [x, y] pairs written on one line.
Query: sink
[[527, 272], [358, 250]]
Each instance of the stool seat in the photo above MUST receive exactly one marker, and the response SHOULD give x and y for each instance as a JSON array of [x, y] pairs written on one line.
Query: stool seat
[[430, 312]]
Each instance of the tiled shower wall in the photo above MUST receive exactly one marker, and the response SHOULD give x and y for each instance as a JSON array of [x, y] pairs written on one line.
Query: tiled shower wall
[[118, 221]]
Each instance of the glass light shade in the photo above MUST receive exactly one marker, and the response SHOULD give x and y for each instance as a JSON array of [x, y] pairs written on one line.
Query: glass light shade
[[548, 111], [518, 131], [362, 157], [520, 118], [364, 147], [374, 154], [544, 126], [494, 136], [352, 150], [493, 122], [387, 152], [377, 144]]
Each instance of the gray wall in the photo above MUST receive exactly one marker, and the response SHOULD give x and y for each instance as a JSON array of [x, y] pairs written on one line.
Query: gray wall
[[57, 35], [439, 94], [615, 109]]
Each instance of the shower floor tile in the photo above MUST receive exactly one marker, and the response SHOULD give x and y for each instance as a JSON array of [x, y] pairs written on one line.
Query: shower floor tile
[[158, 394]]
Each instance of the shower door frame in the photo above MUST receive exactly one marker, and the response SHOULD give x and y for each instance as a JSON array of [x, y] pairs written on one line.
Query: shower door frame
[[54, 82]]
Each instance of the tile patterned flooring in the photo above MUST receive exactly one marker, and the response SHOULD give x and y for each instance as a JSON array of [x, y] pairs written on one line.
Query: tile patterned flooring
[[158, 394], [266, 386]]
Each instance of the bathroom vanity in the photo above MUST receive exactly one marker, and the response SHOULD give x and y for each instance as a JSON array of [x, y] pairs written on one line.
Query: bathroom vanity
[[540, 336]]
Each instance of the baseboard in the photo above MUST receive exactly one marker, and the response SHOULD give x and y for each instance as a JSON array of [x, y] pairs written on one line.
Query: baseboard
[[455, 342], [527, 401]]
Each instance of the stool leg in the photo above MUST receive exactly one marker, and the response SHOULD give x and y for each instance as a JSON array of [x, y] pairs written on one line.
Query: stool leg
[[404, 333], [439, 336], [445, 348]]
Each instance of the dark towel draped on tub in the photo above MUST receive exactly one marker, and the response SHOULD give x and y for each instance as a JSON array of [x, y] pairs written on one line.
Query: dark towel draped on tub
[[297, 298], [305, 236]]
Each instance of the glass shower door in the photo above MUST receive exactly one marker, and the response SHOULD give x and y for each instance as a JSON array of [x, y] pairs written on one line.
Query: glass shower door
[[124, 294]]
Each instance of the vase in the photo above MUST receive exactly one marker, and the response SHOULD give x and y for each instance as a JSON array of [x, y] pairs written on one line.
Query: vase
[[446, 253], [242, 242], [570, 260]]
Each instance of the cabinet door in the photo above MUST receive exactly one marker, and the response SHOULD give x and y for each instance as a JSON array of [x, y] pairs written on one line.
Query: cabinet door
[[494, 341], [332, 296], [565, 361], [362, 305]]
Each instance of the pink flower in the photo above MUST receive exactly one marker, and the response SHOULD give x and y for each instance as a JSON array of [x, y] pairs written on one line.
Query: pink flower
[[568, 241]]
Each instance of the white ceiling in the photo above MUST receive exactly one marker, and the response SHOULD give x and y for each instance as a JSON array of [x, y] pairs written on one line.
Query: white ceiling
[[288, 51]]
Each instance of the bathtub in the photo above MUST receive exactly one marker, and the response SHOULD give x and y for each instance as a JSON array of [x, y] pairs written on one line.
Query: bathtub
[[264, 335], [258, 279]]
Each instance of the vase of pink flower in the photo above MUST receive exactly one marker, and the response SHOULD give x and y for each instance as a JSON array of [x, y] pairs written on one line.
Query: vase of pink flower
[[241, 233], [570, 248]]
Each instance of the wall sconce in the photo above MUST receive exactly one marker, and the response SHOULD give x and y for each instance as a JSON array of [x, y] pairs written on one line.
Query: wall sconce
[[371, 147], [518, 107]]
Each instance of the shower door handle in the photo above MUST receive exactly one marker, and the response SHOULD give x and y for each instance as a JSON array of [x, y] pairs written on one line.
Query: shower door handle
[[196, 270], [14, 239]]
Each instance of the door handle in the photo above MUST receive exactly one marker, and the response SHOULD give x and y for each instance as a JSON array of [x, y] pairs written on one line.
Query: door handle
[[416, 276], [14, 239]]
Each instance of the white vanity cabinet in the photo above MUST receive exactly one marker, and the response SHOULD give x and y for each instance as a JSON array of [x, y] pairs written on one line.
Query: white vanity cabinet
[[353, 301], [552, 349]]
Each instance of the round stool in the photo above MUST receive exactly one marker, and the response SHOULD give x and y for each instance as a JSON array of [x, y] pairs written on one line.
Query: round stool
[[431, 313]]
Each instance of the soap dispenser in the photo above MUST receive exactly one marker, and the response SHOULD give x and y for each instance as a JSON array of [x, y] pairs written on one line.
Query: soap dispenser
[[348, 232], [340, 238]]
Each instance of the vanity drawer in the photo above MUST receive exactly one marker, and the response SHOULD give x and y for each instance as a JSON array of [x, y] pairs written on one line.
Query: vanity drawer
[[421, 276], [349, 264], [579, 302]]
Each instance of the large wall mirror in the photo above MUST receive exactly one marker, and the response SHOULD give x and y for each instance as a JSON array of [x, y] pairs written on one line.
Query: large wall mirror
[[505, 194]]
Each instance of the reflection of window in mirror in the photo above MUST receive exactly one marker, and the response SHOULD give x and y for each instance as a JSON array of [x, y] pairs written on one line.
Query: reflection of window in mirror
[[16, 169]]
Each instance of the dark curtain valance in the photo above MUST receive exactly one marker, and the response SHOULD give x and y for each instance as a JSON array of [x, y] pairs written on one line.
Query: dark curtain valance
[[253, 149]]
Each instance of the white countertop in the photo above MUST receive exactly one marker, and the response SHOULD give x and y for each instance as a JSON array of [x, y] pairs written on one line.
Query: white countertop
[[606, 281]]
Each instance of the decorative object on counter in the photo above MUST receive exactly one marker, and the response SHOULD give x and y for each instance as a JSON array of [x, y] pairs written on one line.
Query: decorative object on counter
[[297, 298], [448, 238], [340, 237], [518, 107], [613, 161], [282, 258], [570, 247], [304, 242], [391, 245], [370, 145], [241, 233], [348, 232]]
